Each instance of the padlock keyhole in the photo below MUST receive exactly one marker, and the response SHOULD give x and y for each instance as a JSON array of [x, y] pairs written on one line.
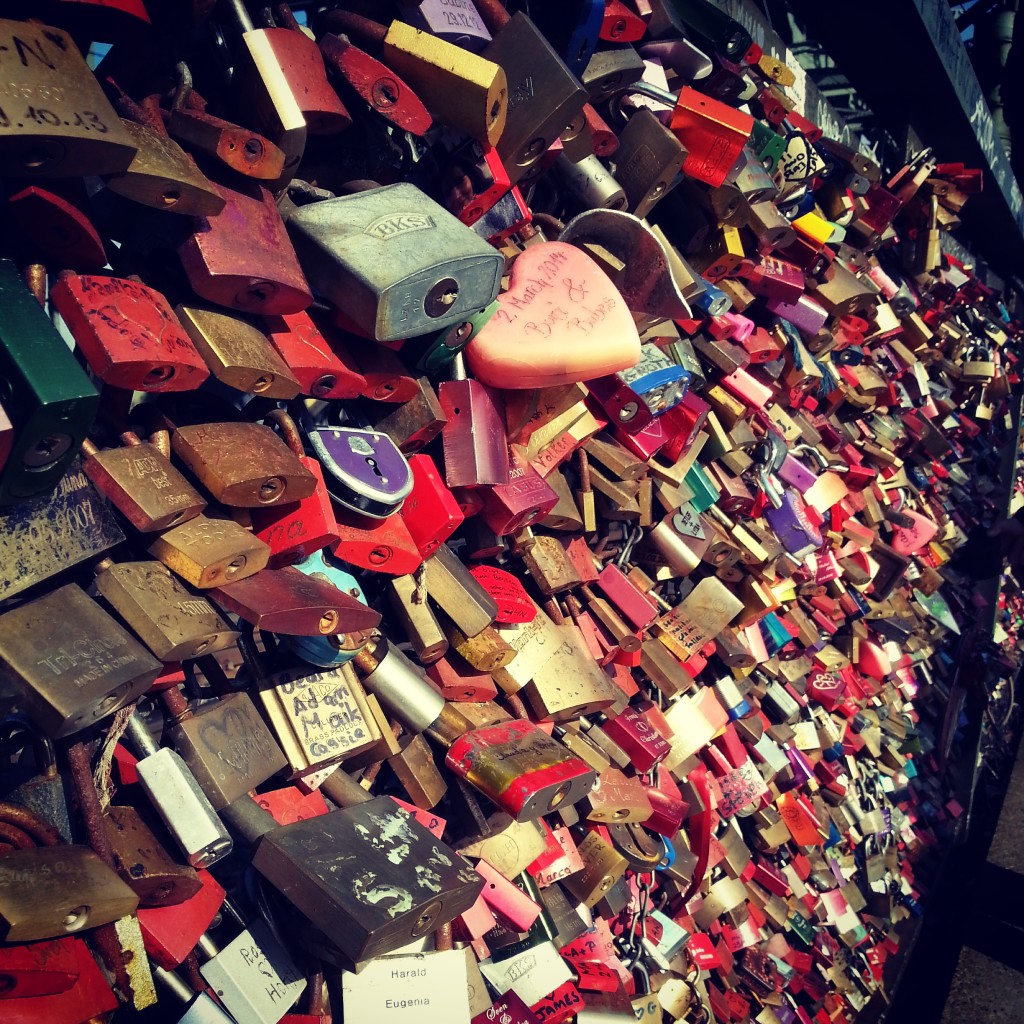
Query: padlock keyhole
[[372, 463]]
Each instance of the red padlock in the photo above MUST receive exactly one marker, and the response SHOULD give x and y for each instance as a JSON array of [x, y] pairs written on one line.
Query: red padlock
[[296, 529], [128, 333]]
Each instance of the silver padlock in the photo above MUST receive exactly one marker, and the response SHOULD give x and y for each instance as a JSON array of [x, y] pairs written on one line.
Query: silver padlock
[[394, 262], [183, 806]]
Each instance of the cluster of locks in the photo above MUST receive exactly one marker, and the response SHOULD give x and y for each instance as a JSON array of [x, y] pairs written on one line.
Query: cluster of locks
[[478, 489]]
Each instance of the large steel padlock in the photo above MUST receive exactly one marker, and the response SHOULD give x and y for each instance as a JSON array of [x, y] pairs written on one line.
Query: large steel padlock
[[394, 261]]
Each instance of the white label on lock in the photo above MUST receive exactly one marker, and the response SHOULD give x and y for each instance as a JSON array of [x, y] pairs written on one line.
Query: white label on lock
[[254, 977], [425, 988], [533, 974], [687, 522]]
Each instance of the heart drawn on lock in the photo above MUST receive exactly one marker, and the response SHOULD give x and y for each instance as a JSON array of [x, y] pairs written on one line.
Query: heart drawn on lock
[[561, 321]]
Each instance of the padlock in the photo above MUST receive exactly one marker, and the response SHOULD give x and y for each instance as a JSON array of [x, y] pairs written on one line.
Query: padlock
[[244, 151], [466, 91], [394, 261], [364, 470], [177, 798], [243, 464], [221, 263], [143, 863], [474, 434], [294, 531], [52, 891], [526, 498], [787, 517], [174, 623], [543, 95], [225, 744], [128, 333], [207, 552], [415, 423], [322, 372], [263, 96], [589, 184], [254, 975], [348, 871], [237, 353], [335, 649], [302, 67], [546, 774], [49, 400], [104, 665], [142, 484], [319, 718], [378, 85], [286, 600], [978, 365], [78, 132], [537, 340], [162, 175]]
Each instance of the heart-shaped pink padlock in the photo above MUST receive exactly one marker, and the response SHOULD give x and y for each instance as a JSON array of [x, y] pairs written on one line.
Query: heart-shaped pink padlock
[[561, 321]]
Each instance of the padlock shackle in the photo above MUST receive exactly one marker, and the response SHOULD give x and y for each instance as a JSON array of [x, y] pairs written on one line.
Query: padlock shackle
[[289, 430]]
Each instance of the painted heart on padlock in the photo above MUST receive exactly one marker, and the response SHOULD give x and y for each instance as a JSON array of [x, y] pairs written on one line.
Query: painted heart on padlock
[[908, 539], [561, 321]]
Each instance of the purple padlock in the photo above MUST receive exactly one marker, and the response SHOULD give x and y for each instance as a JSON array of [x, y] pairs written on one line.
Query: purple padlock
[[363, 469]]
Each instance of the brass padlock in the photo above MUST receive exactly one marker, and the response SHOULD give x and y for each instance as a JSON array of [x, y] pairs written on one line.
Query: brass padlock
[[226, 745], [57, 890], [243, 464], [174, 623], [69, 663], [142, 484], [208, 552], [77, 132], [162, 175], [237, 353]]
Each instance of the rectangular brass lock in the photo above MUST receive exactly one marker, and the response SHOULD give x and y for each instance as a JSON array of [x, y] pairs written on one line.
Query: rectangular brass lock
[[77, 132], [244, 464], [69, 662], [173, 622]]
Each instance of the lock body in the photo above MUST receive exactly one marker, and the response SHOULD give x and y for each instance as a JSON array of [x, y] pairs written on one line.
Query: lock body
[[71, 663], [353, 874], [394, 261], [520, 768], [243, 464], [128, 333], [50, 402]]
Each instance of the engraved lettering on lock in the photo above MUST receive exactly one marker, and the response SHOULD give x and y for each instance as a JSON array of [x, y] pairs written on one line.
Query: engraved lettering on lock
[[22, 876], [395, 224], [199, 609], [520, 93], [232, 744], [70, 655]]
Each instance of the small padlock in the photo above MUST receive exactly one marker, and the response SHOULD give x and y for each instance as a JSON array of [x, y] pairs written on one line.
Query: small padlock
[[364, 469], [243, 464], [238, 353]]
